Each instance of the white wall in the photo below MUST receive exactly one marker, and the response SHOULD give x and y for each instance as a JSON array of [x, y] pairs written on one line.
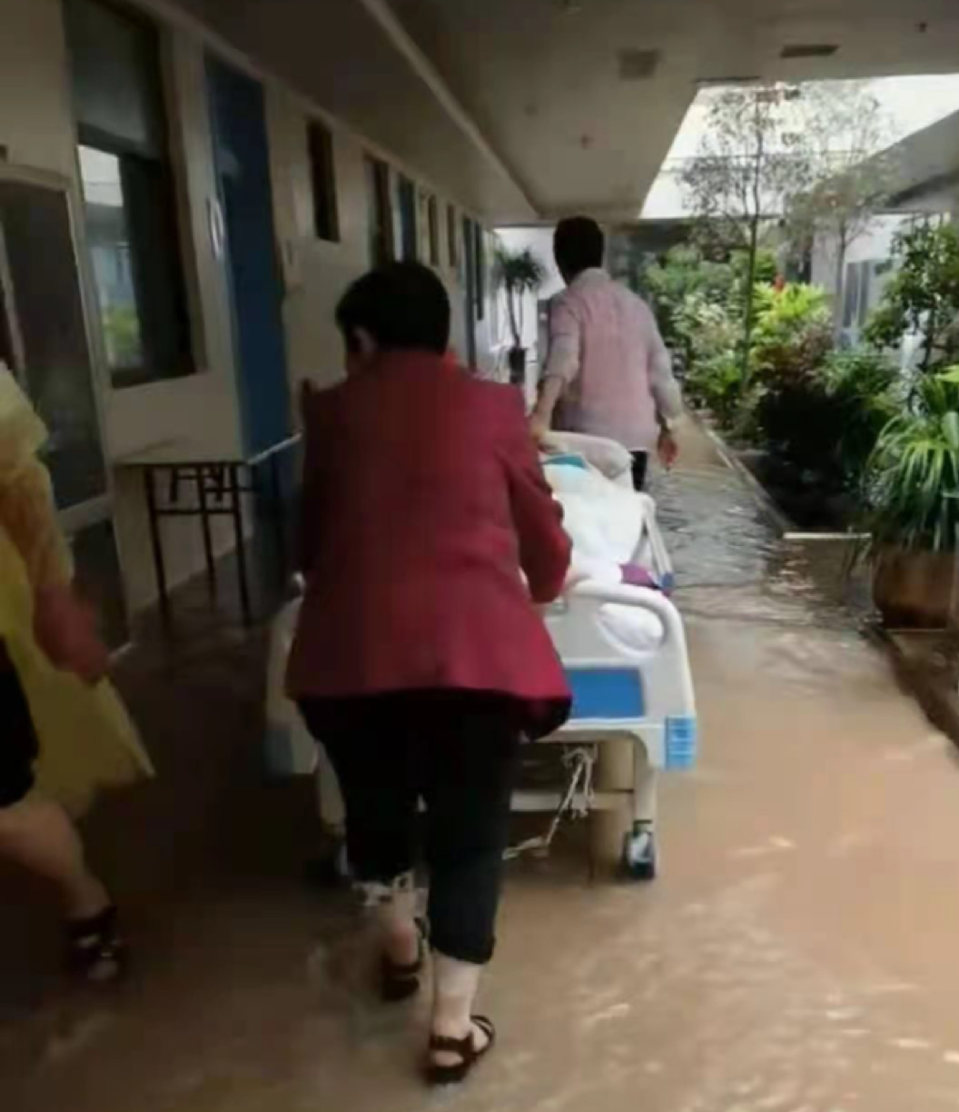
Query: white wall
[[201, 411], [874, 243]]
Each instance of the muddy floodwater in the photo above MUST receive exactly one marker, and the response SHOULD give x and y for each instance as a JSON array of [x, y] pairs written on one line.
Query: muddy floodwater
[[798, 953]]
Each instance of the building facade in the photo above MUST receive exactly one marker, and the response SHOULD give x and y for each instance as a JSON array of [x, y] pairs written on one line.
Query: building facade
[[176, 226]]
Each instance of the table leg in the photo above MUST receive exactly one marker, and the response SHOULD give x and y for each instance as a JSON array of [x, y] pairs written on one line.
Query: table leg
[[156, 542], [276, 495], [236, 508], [207, 535]]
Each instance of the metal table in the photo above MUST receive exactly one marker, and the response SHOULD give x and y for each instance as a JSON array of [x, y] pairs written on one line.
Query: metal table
[[180, 482]]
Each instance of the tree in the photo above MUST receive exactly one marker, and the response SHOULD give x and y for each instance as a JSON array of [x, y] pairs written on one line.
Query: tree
[[923, 294], [748, 163], [521, 273], [843, 133]]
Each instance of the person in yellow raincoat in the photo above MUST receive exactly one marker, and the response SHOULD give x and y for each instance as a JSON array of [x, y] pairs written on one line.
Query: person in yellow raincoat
[[64, 733]]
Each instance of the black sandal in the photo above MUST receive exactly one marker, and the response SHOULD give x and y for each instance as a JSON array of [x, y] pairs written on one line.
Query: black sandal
[[465, 1048], [400, 982], [95, 950]]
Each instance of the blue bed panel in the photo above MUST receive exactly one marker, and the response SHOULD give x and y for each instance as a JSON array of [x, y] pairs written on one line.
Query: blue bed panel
[[606, 692]]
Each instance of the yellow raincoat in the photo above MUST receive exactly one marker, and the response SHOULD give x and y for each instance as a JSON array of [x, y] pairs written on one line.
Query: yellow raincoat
[[86, 739]]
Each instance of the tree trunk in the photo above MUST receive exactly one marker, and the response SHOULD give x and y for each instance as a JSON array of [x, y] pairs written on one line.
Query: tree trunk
[[757, 212], [839, 307], [749, 310], [511, 310]]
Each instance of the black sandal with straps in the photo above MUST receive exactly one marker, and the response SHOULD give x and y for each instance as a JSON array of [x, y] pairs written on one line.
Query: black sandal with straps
[[95, 950], [400, 982], [465, 1048]]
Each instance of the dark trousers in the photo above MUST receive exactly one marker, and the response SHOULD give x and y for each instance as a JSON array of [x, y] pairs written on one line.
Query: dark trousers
[[640, 466], [457, 752]]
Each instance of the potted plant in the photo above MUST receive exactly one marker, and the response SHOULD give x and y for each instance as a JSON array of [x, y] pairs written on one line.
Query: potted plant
[[913, 493], [521, 274]]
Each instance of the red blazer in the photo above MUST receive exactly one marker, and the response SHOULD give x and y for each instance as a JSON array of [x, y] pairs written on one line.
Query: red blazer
[[423, 497]]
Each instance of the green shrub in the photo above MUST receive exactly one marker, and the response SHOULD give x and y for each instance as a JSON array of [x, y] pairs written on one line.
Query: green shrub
[[825, 421], [683, 274], [792, 334], [714, 378]]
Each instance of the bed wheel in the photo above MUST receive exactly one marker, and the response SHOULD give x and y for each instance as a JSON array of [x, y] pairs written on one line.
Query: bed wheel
[[640, 858]]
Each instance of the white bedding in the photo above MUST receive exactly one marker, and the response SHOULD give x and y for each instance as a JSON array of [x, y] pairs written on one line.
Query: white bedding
[[634, 629]]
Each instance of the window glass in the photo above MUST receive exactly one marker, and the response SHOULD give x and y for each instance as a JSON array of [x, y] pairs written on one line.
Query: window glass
[[322, 170], [480, 258], [452, 237], [128, 194], [406, 194], [46, 341], [380, 213], [116, 82], [433, 225]]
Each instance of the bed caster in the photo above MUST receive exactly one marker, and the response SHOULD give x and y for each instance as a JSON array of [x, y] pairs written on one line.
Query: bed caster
[[640, 858]]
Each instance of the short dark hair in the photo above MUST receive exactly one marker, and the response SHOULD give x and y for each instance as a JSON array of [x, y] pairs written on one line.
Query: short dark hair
[[402, 305], [578, 244]]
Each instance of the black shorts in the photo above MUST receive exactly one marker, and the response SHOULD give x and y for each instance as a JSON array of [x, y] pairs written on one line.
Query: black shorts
[[18, 741]]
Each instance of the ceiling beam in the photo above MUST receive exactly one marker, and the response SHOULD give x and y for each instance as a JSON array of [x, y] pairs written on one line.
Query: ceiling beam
[[424, 68]]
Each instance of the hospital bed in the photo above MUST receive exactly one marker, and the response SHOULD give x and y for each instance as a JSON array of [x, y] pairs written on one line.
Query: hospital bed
[[623, 648]]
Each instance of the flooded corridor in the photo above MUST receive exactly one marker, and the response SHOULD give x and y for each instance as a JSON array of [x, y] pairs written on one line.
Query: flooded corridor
[[797, 954]]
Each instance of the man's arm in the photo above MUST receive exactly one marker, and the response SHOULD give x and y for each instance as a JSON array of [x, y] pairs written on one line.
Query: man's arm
[[562, 365], [662, 381], [666, 393]]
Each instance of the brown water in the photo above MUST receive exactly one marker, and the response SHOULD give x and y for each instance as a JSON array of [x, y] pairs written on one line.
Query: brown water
[[732, 561], [796, 955]]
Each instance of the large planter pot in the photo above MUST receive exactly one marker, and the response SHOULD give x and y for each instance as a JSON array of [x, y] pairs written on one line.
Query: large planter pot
[[915, 588], [517, 366]]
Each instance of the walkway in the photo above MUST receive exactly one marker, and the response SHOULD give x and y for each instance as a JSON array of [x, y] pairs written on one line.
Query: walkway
[[798, 953]]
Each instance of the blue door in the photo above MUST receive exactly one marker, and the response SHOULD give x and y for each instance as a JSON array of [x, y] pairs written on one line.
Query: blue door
[[243, 173]]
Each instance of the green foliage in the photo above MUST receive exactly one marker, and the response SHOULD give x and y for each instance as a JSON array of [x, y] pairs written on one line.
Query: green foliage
[[923, 294], [825, 421], [913, 479], [793, 330], [710, 334], [121, 330], [766, 268], [521, 273], [681, 275]]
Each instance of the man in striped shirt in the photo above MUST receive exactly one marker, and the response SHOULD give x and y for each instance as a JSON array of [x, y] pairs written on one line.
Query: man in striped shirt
[[608, 372]]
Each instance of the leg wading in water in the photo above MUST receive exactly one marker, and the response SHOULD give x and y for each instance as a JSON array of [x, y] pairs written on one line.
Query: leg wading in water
[[456, 751], [37, 835]]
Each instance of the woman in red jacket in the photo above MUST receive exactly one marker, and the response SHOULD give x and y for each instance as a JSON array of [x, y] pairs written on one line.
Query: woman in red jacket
[[420, 659]]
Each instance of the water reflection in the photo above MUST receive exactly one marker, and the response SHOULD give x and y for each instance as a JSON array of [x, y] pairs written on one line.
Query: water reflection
[[732, 562]]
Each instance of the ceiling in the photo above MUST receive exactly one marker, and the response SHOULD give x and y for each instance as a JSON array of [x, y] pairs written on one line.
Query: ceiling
[[535, 108]]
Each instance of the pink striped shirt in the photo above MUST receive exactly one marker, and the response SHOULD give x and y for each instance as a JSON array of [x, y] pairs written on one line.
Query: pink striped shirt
[[605, 346]]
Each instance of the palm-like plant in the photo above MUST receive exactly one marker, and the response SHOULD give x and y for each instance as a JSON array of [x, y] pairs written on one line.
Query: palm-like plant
[[521, 273], [913, 480]]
